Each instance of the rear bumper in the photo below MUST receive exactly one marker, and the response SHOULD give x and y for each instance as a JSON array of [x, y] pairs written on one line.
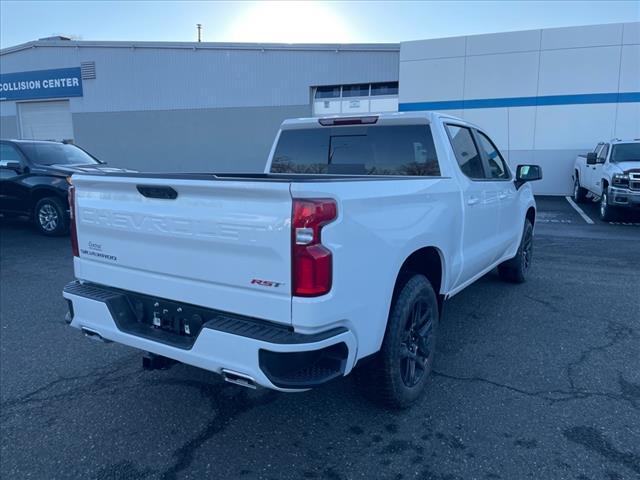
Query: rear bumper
[[271, 355]]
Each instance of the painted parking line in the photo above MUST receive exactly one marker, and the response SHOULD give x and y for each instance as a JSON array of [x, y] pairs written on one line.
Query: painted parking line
[[628, 224], [584, 216]]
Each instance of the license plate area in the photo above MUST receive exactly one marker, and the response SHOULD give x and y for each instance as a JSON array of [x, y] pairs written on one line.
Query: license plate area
[[162, 320], [178, 319]]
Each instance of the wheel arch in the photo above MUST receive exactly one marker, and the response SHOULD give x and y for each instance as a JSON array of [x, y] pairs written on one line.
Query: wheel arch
[[427, 261], [39, 193], [531, 215]]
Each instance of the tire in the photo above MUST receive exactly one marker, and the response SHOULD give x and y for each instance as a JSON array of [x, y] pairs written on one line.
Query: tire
[[579, 193], [396, 377], [607, 212], [515, 270], [50, 216]]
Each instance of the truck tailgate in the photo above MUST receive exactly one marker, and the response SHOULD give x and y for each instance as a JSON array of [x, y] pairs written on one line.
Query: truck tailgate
[[219, 244]]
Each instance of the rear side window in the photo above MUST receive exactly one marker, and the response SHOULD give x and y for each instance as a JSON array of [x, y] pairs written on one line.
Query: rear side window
[[466, 152], [358, 150]]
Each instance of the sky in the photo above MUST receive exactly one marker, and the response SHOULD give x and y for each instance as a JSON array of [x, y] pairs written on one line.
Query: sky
[[295, 21]]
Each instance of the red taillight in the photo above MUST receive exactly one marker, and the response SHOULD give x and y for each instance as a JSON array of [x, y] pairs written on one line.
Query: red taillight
[[72, 220], [311, 262]]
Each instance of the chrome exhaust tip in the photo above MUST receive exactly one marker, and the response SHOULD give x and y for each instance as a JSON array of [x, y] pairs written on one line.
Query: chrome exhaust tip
[[238, 379]]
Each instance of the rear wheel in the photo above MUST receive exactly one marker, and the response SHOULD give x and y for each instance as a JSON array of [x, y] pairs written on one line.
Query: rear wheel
[[516, 269], [607, 212], [398, 374], [579, 193], [50, 216]]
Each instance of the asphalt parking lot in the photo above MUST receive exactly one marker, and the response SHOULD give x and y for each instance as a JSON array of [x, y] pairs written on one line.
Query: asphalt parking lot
[[561, 211], [540, 380]]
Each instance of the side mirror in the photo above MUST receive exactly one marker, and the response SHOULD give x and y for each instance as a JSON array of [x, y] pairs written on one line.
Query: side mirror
[[12, 166], [591, 158], [527, 173]]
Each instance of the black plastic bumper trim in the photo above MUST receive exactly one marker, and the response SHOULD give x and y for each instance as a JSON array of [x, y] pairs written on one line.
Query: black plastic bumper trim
[[249, 327], [308, 369]]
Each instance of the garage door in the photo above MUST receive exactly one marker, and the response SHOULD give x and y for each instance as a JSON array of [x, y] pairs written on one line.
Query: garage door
[[45, 120]]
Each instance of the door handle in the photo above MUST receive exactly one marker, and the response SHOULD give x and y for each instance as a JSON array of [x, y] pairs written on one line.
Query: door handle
[[502, 195], [473, 200]]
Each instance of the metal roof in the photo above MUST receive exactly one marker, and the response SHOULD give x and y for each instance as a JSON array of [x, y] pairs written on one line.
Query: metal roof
[[337, 47]]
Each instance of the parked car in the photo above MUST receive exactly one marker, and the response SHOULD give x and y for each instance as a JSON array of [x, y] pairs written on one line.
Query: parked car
[[340, 254], [35, 177], [611, 172]]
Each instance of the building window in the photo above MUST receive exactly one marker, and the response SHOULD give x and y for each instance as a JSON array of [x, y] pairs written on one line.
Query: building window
[[361, 90], [355, 98], [332, 91], [387, 88]]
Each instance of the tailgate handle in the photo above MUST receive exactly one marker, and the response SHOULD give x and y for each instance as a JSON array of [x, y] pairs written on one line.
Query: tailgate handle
[[156, 191]]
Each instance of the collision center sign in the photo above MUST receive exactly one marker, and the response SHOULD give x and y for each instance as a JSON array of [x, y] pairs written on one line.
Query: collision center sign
[[61, 82]]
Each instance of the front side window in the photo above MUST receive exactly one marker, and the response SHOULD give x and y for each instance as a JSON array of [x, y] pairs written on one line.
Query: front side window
[[359, 150], [466, 152], [603, 153], [8, 153], [497, 165]]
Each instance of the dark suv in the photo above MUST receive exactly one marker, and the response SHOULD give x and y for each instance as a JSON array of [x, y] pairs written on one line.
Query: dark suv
[[35, 177]]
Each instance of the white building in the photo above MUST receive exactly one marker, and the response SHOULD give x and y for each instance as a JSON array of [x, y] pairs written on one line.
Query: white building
[[544, 95]]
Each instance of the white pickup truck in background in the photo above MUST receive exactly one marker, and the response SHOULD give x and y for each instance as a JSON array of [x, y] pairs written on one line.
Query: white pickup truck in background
[[341, 253], [611, 172]]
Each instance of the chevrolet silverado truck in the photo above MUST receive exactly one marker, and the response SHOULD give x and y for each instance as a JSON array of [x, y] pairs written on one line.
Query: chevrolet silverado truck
[[341, 253], [610, 173]]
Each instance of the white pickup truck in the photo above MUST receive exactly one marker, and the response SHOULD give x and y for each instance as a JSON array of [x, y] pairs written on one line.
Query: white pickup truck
[[341, 253], [611, 172]]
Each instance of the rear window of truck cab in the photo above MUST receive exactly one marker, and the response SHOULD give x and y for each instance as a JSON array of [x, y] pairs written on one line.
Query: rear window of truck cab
[[357, 150]]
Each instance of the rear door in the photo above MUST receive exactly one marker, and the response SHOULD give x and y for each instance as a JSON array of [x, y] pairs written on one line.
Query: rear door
[[481, 204], [220, 244]]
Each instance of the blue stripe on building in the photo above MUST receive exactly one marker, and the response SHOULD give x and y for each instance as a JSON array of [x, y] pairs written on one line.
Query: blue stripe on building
[[583, 99]]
